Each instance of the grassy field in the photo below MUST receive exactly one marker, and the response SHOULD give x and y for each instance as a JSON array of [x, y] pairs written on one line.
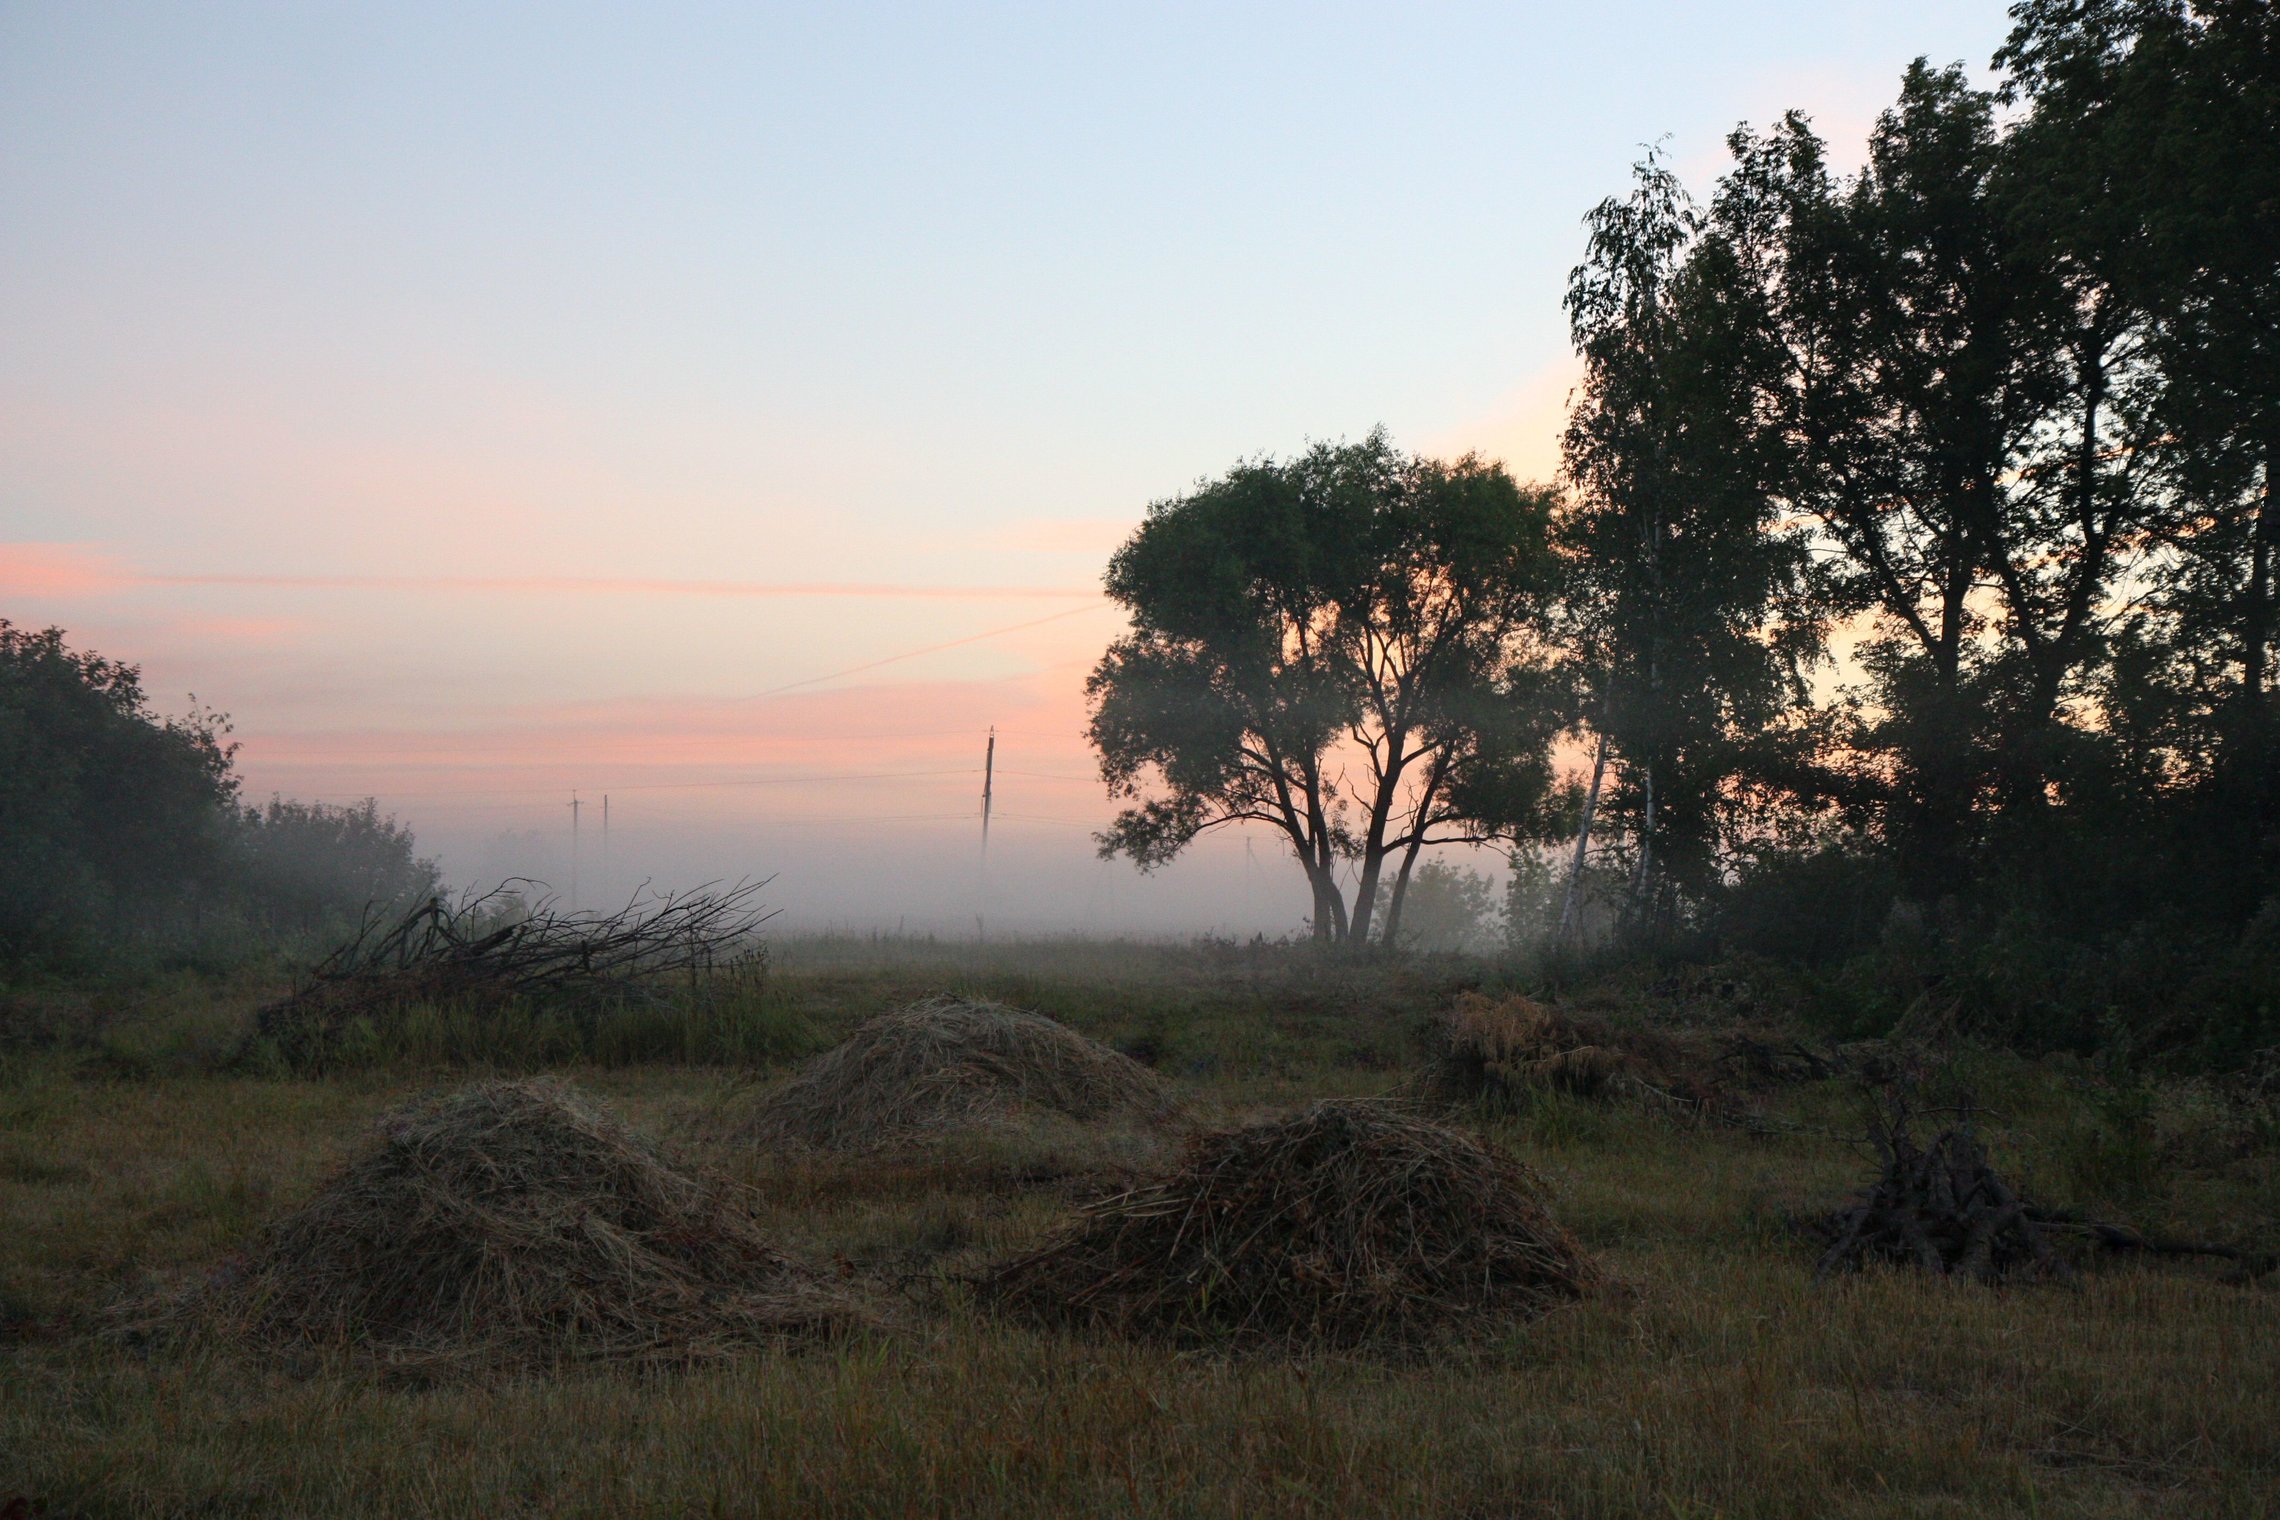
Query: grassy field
[[1715, 1380]]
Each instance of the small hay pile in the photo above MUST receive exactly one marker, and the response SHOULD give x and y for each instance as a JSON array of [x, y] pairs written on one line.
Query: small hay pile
[[1499, 1050], [1348, 1224], [516, 1221], [948, 1063]]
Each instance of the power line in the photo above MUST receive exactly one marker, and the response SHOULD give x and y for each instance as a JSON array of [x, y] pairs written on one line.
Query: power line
[[892, 659]]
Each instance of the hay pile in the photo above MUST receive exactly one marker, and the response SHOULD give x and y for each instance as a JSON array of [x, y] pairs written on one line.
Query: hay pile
[[517, 1221], [1348, 1224], [947, 1064], [1499, 1050]]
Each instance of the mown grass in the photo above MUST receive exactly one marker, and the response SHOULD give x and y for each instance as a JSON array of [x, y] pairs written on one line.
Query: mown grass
[[1717, 1380]]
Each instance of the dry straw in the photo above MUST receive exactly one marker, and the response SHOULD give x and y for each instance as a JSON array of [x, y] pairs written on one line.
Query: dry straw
[[1348, 1224], [947, 1064], [1500, 1050], [517, 1222]]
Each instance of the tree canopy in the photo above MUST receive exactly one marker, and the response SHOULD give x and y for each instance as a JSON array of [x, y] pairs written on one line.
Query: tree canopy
[[1345, 647], [1920, 542], [119, 826], [1910, 585]]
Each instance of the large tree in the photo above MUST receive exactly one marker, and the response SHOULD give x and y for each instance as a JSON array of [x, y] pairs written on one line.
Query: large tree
[[1947, 394], [1344, 647], [1681, 613], [119, 826], [2158, 133]]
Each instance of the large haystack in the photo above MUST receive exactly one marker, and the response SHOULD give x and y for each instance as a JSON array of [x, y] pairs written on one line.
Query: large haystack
[[516, 1221], [1347, 1224], [949, 1063]]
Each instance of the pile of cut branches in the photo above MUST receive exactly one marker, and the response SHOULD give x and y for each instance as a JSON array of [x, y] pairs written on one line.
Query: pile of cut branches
[[1940, 1207], [1943, 1208], [493, 948], [1347, 1224]]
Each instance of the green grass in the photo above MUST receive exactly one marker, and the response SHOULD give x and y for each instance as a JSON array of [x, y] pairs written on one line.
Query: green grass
[[1715, 1380]]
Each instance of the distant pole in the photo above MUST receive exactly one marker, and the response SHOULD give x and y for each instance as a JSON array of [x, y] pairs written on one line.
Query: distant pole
[[989, 774], [605, 848], [573, 852]]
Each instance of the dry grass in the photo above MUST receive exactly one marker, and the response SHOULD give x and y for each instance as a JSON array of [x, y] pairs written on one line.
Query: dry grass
[[947, 1064], [519, 1222], [1498, 1051], [1726, 1385], [1345, 1225]]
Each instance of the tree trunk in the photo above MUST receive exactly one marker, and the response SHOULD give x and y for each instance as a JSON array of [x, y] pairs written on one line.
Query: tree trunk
[[1401, 892], [1643, 873], [1373, 842], [2256, 614], [1582, 845], [1325, 926]]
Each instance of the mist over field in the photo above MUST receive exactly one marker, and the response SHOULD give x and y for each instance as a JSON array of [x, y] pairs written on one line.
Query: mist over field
[[912, 878]]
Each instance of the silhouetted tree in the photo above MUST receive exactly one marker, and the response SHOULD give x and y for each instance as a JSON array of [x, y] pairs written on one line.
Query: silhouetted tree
[[1344, 647], [1682, 595], [110, 816]]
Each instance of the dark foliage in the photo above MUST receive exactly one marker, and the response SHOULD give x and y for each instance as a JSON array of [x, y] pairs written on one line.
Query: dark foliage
[[1346, 648], [2004, 408], [113, 821], [120, 829]]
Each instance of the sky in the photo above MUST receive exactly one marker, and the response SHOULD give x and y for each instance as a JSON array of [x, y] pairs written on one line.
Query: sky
[[730, 410]]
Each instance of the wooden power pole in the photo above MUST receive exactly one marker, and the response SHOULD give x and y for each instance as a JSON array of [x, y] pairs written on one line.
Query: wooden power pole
[[989, 774], [573, 852]]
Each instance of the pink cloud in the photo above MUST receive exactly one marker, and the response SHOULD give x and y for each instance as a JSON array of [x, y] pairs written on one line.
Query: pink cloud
[[241, 630], [901, 747], [78, 570], [58, 570], [556, 585]]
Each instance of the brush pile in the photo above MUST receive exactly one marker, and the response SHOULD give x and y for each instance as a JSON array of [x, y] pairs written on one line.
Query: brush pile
[[1346, 1225], [516, 1222], [1942, 1208], [488, 950], [1499, 1050], [1939, 1207], [947, 1064]]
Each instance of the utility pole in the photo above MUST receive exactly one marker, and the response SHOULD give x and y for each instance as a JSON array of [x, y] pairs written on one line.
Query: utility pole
[[573, 851], [989, 774], [605, 849]]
